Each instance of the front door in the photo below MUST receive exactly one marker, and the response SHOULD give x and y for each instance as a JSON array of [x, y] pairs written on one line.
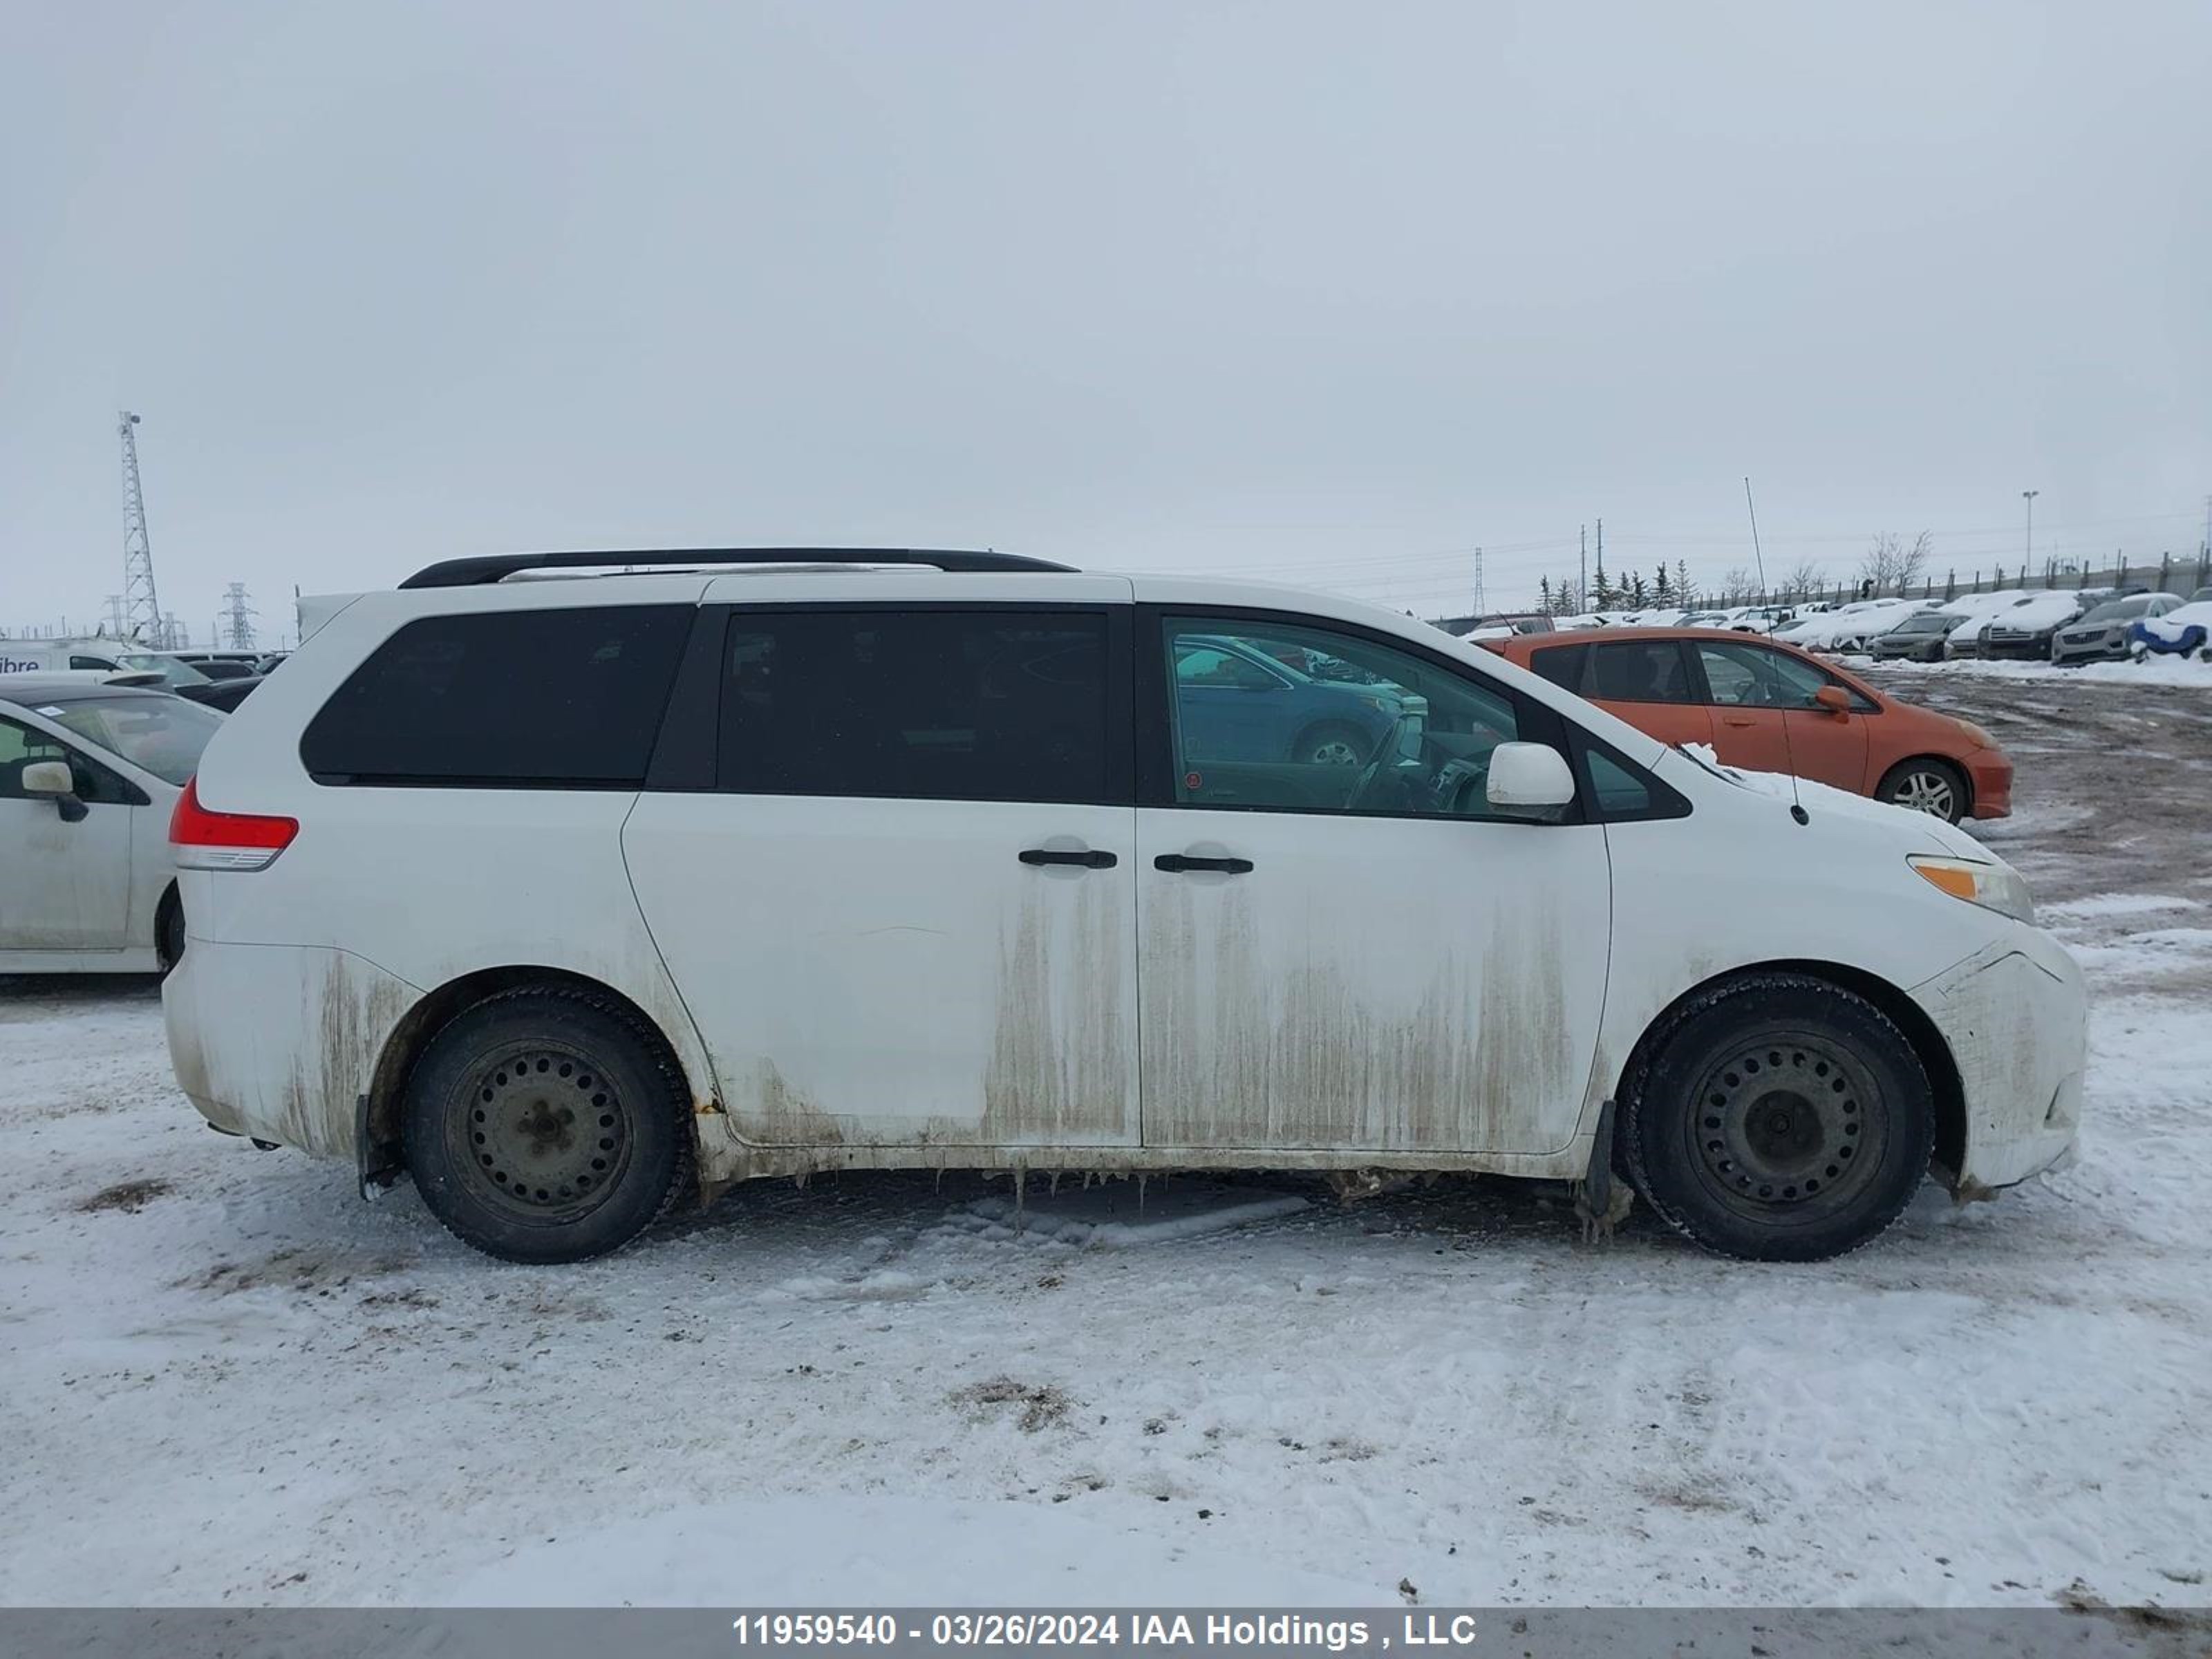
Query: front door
[[1764, 719], [906, 914], [67, 885], [1358, 957]]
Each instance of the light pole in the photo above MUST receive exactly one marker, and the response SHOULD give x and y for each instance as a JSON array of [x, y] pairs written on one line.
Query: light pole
[[2029, 496]]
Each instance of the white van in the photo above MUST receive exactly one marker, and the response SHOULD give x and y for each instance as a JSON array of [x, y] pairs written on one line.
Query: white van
[[570, 897], [99, 653]]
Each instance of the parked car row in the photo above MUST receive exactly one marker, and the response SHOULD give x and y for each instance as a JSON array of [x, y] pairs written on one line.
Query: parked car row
[[2062, 626]]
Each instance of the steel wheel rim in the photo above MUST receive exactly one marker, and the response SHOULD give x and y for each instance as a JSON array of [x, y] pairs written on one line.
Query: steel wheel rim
[[1787, 1126], [1926, 791], [544, 1134], [1335, 751]]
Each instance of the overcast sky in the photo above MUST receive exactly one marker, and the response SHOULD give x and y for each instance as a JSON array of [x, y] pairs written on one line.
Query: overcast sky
[[1333, 294]]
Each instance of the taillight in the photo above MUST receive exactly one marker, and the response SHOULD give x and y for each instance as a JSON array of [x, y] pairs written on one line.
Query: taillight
[[225, 840]]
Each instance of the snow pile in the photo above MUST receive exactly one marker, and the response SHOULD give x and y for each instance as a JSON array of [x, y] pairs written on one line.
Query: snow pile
[[2166, 670]]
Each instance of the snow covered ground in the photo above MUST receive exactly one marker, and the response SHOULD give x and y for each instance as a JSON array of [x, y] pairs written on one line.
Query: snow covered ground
[[224, 1379], [2160, 670]]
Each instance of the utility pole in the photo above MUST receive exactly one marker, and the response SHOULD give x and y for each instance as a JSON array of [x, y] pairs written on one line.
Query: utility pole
[[1582, 589], [115, 616], [141, 611], [239, 615], [1478, 606], [2029, 496]]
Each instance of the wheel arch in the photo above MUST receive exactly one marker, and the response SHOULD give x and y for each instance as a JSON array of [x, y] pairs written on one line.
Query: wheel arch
[[403, 1048], [1928, 1044], [172, 903]]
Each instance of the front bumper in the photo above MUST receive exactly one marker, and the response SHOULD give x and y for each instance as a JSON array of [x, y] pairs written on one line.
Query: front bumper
[[1989, 776], [2106, 647], [2015, 1018], [279, 1041], [2035, 649]]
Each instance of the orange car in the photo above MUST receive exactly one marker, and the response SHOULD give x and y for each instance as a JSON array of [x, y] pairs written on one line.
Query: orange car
[[1767, 707]]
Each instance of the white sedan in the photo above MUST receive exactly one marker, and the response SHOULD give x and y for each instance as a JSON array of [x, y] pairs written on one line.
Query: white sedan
[[90, 774]]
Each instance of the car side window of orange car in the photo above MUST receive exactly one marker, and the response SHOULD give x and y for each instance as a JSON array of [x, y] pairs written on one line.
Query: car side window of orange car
[[1760, 677]]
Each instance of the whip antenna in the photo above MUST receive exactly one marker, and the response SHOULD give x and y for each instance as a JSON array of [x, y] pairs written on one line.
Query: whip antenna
[[1788, 750]]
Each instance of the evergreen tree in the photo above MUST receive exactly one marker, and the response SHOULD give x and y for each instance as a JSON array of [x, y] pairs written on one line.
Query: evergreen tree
[[1601, 596], [1685, 591], [1636, 591], [1544, 595], [1660, 590]]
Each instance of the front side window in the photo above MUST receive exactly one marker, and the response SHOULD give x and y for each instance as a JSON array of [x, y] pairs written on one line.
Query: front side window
[[21, 746], [513, 699], [932, 705], [1753, 676], [1638, 671], [1381, 731]]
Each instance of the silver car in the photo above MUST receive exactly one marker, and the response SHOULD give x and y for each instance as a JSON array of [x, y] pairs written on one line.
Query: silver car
[[2102, 635]]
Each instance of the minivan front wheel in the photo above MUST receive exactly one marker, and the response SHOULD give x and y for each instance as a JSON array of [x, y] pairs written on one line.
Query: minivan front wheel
[[1780, 1119], [546, 1125]]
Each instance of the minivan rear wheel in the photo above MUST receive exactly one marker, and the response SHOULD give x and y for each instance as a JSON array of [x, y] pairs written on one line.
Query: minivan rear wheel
[[1781, 1118], [546, 1125]]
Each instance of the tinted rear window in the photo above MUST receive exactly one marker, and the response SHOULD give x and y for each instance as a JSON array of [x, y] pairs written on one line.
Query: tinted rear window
[[505, 699], [929, 705], [1563, 666]]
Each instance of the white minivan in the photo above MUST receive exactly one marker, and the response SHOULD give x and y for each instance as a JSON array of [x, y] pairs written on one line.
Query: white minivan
[[569, 890]]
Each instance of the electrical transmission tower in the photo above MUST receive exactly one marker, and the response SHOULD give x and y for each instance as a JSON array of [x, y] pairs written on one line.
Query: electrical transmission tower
[[141, 611], [237, 618], [1479, 606]]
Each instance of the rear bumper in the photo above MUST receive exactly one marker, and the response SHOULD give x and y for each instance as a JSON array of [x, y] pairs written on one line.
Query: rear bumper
[[1989, 775], [279, 1041], [2015, 1017]]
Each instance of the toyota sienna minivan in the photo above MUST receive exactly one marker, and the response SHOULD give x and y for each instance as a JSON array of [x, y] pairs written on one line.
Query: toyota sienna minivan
[[571, 892]]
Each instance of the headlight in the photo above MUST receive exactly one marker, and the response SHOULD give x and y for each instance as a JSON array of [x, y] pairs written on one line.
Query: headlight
[[1992, 886], [1981, 737]]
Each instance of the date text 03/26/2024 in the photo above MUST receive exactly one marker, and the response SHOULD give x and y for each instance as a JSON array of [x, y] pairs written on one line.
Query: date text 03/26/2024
[[1039, 1628]]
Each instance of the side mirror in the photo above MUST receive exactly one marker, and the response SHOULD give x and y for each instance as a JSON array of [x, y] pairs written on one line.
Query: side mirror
[[1834, 699], [1528, 780], [53, 779]]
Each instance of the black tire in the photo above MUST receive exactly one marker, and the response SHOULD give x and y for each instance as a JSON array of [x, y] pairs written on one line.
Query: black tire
[[1331, 744], [547, 1125], [169, 931], [1779, 1118], [1925, 784]]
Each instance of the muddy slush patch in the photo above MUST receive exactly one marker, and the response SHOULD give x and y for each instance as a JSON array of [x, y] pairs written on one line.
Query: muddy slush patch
[[128, 1196], [1042, 1405]]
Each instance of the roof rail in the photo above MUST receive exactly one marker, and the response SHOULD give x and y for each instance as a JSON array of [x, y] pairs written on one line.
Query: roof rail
[[486, 568]]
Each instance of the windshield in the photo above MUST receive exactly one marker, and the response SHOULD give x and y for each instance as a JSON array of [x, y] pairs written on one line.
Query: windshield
[[1928, 622], [172, 672], [2118, 610], [162, 735]]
